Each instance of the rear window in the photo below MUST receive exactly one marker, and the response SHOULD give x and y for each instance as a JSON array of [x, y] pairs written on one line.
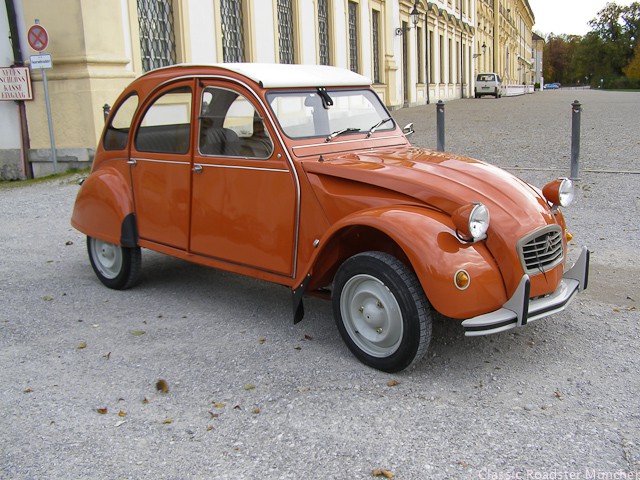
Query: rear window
[[486, 77], [117, 133]]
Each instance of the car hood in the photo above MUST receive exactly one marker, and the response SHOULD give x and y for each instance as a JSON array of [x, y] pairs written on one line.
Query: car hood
[[440, 181], [443, 181]]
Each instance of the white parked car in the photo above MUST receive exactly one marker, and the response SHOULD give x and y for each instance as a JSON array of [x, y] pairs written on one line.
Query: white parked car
[[488, 84]]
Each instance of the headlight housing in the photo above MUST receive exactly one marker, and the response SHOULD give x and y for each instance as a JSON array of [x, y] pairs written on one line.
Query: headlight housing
[[560, 192], [471, 222]]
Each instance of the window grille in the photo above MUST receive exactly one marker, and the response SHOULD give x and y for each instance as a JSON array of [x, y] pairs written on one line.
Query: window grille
[[157, 38], [285, 31], [323, 31], [375, 35], [232, 30], [353, 36]]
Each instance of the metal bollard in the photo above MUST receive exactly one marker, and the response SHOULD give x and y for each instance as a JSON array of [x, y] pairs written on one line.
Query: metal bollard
[[440, 125], [106, 108], [576, 111]]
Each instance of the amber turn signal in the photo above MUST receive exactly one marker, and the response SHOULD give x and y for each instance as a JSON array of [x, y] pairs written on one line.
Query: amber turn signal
[[462, 279]]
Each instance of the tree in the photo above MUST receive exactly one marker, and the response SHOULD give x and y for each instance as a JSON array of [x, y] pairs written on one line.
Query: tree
[[632, 70]]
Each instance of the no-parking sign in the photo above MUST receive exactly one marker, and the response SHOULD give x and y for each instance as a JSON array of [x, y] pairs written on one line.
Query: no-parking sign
[[38, 38]]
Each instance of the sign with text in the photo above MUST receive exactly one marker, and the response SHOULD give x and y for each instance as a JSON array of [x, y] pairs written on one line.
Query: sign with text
[[15, 83], [41, 61]]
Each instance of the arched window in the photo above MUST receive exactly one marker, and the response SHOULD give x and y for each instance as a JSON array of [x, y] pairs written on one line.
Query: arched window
[[157, 38], [232, 30], [285, 32], [323, 32]]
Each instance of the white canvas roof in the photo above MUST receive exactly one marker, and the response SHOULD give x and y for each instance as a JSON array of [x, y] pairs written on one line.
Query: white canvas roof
[[277, 75]]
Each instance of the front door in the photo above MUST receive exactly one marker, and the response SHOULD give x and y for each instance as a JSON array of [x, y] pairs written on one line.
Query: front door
[[244, 197]]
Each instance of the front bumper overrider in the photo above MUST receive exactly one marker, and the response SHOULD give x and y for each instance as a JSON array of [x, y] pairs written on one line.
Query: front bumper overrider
[[520, 310]]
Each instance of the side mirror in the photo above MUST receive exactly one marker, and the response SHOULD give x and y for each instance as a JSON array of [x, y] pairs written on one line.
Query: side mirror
[[408, 130]]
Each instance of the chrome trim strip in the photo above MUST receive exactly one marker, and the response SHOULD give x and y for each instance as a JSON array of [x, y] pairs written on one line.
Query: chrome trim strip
[[150, 160], [240, 167]]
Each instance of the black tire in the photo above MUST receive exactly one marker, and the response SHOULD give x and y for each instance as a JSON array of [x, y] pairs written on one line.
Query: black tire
[[381, 311], [117, 267]]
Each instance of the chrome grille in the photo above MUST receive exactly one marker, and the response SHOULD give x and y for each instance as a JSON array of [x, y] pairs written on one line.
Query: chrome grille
[[541, 250]]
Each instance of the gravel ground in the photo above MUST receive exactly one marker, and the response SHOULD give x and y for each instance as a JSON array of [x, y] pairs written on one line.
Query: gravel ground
[[252, 396]]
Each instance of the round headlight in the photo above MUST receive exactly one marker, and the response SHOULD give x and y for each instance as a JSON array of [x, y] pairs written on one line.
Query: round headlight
[[559, 192], [566, 192], [471, 221], [479, 221]]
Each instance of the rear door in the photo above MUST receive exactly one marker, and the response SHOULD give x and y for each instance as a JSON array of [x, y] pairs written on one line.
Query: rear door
[[245, 194], [161, 166]]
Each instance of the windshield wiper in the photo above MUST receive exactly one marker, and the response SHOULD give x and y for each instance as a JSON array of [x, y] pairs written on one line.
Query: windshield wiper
[[340, 132], [377, 125]]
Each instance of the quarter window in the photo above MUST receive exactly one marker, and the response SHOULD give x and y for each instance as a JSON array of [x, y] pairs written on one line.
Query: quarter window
[[117, 133]]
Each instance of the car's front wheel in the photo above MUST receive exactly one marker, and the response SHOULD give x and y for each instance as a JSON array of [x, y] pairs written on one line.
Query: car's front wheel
[[381, 311], [117, 267]]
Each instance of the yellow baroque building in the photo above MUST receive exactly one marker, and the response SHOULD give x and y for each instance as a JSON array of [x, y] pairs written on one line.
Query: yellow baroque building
[[414, 51]]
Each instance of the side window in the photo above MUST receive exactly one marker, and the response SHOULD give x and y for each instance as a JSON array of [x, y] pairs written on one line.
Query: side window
[[230, 126], [117, 133], [166, 125]]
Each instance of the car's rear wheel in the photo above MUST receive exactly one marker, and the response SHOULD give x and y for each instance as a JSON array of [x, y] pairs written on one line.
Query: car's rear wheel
[[381, 311], [117, 267]]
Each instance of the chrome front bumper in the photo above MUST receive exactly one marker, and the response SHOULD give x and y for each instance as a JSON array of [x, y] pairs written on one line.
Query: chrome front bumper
[[519, 310]]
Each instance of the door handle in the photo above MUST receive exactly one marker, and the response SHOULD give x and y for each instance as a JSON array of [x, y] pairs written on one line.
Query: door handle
[[197, 169], [133, 162]]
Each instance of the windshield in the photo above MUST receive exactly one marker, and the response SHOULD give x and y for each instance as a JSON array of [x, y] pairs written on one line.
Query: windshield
[[322, 113]]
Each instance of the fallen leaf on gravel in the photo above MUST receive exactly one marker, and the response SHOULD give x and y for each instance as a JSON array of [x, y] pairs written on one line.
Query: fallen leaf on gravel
[[145, 400], [122, 414], [27, 390], [120, 423], [558, 395], [392, 383], [308, 337], [102, 411], [82, 345], [167, 421], [255, 410], [209, 428], [107, 355], [214, 415], [297, 348], [462, 463], [218, 405], [262, 340], [249, 387], [237, 407], [47, 298], [617, 310], [68, 242], [162, 386], [137, 333], [382, 473]]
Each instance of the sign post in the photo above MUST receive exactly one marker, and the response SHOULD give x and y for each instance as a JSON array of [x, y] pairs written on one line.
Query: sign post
[[38, 39]]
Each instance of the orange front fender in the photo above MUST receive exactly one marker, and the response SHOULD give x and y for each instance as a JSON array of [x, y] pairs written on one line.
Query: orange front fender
[[104, 207], [427, 239]]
